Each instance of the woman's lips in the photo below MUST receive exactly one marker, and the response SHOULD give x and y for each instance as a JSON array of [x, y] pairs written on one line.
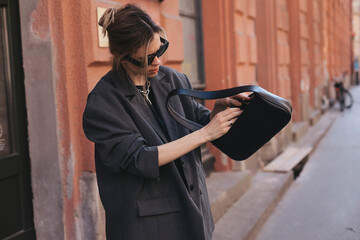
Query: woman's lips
[[154, 70]]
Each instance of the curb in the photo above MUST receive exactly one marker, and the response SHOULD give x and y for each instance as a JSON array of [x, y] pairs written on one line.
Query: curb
[[249, 213]]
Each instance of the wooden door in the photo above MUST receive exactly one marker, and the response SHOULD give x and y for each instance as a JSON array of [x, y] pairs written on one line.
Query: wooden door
[[16, 218]]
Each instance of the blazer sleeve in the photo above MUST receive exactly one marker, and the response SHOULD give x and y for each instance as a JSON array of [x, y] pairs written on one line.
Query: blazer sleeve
[[202, 114], [118, 145]]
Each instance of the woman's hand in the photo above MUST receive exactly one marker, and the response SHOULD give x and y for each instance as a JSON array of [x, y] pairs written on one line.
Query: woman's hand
[[220, 124], [217, 127], [222, 117], [233, 101]]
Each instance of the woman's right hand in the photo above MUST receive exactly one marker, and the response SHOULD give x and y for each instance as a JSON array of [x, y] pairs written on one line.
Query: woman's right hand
[[220, 124]]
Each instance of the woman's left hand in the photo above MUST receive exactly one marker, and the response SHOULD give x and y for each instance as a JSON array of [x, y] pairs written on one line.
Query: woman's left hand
[[233, 101]]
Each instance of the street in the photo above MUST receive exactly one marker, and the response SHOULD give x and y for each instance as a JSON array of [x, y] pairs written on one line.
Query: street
[[324, 201]]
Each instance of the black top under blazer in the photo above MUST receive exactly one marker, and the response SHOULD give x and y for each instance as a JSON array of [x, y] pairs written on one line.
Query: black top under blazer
[[142, 200]]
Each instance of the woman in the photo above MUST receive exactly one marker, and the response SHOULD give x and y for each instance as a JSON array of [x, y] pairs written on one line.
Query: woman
[[149, 171]]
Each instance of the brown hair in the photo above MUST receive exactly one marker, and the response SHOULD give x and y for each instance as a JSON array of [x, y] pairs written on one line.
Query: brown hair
[[128, 28]]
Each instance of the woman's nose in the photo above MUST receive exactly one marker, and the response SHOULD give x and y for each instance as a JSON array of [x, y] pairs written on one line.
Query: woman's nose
[[156, 61]]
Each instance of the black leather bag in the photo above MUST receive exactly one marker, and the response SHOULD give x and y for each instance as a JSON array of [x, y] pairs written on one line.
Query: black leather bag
[[263, 117]]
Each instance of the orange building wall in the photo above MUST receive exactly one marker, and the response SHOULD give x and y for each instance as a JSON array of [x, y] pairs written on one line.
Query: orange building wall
[[290, 47], [230, 51], [79, 63], [283, 86]]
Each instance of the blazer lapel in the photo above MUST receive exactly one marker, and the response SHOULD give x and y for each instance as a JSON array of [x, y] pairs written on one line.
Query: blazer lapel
[[161, 87], [128, 88]]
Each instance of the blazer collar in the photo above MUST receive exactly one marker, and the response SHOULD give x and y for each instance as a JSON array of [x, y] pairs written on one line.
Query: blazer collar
[[126, 86], [161, 86]]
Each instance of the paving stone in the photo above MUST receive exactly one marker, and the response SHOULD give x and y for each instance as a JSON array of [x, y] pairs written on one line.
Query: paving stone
[[225, 188], [245, 218]]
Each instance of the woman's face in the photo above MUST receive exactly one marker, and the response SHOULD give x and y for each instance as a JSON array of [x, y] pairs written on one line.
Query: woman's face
[[152, 68]]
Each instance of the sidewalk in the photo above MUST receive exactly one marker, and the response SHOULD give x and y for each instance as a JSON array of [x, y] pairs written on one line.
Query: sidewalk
[[324, 202], [246, 216]]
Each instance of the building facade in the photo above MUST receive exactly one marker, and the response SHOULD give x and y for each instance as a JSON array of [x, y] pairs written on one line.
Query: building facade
[[51, 56]]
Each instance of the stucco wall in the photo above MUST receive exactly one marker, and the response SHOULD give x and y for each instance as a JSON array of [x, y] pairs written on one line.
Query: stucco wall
[[290, 47], [41, 107]]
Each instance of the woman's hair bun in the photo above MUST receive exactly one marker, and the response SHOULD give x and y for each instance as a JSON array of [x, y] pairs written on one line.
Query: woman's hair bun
[[107, 18]]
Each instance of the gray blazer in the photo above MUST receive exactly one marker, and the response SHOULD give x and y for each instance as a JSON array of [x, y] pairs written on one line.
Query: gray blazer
[[142, 200]]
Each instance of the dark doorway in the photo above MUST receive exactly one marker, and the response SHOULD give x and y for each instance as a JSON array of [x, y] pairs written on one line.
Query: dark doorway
[[16, 217]]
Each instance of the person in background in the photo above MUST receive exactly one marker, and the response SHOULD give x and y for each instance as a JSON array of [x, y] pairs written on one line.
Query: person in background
[[356, 70], [149, 169]]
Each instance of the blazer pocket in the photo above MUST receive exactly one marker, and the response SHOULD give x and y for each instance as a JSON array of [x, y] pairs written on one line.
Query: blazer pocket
[[157, 206]]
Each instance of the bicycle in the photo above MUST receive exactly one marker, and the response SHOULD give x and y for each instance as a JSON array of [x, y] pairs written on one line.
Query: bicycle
[[343, 95]]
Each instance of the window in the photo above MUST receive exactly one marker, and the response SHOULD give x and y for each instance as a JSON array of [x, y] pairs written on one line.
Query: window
[[193, 67], [5, 143]]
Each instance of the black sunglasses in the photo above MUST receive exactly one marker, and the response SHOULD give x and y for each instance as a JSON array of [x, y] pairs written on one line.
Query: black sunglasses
[[150, 58]]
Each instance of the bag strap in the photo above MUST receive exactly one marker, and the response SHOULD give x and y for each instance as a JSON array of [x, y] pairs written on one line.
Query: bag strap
[[193, 126]]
